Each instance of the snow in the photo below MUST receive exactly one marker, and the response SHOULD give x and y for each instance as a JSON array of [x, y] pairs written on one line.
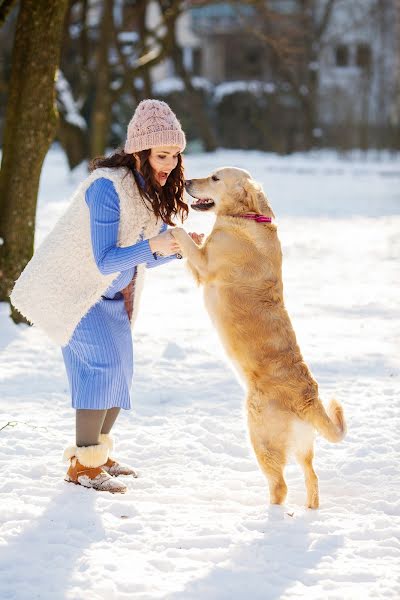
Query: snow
[[169, 85], [196, 523], [232, 87], [130, 37], [66, 102]]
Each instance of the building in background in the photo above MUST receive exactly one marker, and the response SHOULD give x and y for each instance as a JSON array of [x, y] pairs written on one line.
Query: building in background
[[270, 75], [357, 66]]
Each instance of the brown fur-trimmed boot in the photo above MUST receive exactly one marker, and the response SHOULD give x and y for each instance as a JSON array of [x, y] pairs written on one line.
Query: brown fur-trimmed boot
[[113, 467], [86, 469]]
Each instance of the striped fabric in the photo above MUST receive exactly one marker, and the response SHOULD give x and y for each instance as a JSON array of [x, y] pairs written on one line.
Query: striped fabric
[[129, 294], [99, 357]]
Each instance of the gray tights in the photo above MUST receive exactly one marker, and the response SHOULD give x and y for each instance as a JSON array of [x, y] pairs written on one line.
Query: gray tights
[[90, 423]]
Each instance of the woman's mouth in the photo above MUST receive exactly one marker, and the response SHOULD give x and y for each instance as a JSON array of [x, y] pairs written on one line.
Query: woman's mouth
[[163, 176]]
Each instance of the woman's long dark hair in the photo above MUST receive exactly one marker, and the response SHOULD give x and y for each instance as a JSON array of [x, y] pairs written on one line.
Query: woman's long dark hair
[[166, 201]]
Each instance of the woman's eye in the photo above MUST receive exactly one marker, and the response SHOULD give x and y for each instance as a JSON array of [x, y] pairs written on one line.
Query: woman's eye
[[214, 178]]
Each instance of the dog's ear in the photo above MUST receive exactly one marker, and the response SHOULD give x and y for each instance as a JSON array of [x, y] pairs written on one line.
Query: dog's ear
[[264, 203], [255, 198]]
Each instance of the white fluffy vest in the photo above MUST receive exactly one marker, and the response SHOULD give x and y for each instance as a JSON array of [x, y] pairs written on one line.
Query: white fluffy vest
[[62, 282]]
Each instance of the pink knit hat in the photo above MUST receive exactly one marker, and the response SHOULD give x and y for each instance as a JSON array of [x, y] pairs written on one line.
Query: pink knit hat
[[153, 124]]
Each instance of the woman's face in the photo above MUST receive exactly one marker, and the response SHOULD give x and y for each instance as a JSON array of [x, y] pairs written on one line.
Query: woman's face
[[163, 160]]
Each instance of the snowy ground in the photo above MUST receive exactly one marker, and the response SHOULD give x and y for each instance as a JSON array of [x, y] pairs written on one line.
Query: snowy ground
[[196, 524]]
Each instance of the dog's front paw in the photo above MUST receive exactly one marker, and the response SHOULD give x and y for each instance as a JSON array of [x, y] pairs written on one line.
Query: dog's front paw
[[179, 233], [182, 237]]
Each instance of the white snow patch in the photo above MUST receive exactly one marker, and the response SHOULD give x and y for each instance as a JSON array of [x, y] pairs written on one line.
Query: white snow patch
[[128, 37], [232, 87], [196, 523], [68, 105], [175, 84]]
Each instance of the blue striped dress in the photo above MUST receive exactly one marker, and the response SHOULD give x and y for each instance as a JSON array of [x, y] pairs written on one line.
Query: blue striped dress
[[99, 356]]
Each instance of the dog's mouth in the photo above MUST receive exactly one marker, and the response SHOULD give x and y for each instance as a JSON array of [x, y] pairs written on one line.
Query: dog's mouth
[[202, 204]]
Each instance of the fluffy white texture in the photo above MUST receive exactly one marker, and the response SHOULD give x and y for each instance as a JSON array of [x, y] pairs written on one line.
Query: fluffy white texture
[[62, 281], [68, 453], [196, 525], [92, 456], [108, 440]]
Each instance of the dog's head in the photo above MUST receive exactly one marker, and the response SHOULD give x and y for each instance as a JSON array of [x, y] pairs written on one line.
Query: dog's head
[[228, 191]]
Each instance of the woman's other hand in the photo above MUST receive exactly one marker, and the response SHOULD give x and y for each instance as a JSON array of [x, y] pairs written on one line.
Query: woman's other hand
[[164, 244]]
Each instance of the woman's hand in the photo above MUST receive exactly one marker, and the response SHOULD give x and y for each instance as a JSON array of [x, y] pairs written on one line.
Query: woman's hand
[[182, 236], [164, 244], [197, 237]]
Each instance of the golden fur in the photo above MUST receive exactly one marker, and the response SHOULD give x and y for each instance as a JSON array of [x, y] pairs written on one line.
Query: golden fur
[[240, 267]]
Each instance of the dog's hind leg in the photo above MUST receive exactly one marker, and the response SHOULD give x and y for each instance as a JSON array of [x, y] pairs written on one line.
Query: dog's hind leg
[[272, 462], [305, 461]]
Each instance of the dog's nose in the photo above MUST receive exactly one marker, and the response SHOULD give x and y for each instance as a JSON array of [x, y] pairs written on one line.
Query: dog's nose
[[187, 183]]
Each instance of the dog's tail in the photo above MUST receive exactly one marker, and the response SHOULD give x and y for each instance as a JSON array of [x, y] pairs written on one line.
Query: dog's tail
[[331, 423]]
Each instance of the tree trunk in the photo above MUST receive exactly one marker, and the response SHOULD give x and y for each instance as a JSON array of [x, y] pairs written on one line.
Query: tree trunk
[[309, 102], [142, 30], [73, 141], [101, 114], [199, 114], [30, 126]]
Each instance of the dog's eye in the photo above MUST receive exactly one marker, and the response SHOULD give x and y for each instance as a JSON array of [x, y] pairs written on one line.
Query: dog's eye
[[214, 178]]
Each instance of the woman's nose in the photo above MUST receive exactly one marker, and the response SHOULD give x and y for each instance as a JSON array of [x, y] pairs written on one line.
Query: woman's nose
[[172, 164]]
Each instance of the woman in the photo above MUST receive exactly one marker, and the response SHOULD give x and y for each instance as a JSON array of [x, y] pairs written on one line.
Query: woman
[[83, 283]]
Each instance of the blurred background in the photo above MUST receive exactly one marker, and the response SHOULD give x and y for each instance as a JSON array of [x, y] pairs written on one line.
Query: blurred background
[[278, 76]]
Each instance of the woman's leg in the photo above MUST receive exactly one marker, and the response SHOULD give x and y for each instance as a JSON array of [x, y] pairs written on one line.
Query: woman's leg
[[112, 466], [88, 426], [90, 454], [109, 419]]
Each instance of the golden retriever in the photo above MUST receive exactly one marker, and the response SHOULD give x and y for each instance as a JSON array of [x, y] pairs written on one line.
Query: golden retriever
[[240, 266]]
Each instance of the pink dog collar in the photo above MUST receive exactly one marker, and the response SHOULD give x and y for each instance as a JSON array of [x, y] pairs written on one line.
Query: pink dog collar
[[256, 217]]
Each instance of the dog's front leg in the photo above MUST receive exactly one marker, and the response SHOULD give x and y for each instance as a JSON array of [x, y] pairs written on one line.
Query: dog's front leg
[[197, 256]]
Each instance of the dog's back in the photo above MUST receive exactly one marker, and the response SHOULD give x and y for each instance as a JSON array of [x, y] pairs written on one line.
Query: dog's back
[[244, 297], [240, 266]]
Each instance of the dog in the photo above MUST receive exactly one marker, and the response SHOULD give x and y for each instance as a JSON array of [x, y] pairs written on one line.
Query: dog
[[240, 266]]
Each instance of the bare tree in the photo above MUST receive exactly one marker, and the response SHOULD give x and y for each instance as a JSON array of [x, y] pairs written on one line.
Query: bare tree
[[107, 64], [101, 113], [294, 41], [198, 109], [98, 83]]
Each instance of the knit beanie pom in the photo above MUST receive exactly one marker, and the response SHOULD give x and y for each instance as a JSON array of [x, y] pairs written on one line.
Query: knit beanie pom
[[153, 124]]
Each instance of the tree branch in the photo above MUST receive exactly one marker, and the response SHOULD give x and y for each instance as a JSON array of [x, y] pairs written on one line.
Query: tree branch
[[321, 27]]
